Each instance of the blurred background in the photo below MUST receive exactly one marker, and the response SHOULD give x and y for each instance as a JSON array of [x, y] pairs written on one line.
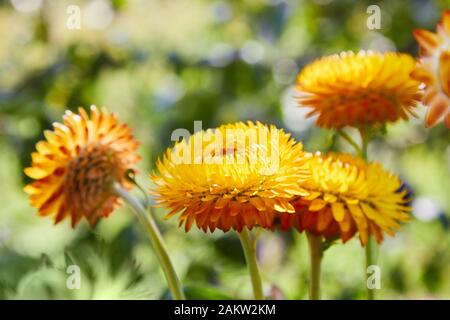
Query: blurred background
[[163, 64]]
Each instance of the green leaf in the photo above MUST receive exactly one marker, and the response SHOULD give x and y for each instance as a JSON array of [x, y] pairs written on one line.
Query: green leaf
[[195, 292]]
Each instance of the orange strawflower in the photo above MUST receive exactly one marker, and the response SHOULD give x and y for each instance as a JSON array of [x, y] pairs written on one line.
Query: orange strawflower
[[234, 176], [434, 70], [77, 164], [360, 89], [348, 195]]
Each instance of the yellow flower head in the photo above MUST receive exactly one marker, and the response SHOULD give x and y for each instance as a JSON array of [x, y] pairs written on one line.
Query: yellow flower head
[[75, 167], [358, 89], [434, 70], [348, 195], [234, 176]]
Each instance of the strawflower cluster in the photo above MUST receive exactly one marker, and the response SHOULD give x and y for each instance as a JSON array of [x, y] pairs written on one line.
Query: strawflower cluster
[[243, 176]]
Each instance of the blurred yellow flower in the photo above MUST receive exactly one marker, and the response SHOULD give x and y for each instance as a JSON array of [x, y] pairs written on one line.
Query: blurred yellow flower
[[360, 89], [75, 167], [234, 176], [348, 195], [434, 70]]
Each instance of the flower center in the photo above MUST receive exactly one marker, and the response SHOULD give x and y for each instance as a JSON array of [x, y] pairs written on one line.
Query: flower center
[[90, 178]]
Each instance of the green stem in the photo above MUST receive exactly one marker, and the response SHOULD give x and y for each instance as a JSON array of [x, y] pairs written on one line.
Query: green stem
[[371, 245], [315, 254], [364, 143], [370, 261], [350, 140], [249, 246], [157, 242]]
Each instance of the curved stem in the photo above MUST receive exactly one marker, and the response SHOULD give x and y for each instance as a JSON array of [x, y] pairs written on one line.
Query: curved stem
[[249, 246], [315, 254], [364, 143], [350, 140], [157, 242]]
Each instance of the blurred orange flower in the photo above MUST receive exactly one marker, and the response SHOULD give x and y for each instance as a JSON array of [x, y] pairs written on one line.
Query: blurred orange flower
[[360, 89], [434, 70], [75, 167]]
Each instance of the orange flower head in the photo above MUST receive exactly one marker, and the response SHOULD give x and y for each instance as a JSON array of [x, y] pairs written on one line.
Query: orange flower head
[[234, 176], [348, 195], [360, 89], [434, 70], [75, 167]]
